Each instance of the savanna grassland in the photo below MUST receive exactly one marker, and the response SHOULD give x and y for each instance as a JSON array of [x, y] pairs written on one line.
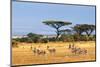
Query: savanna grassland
[[24, 54]]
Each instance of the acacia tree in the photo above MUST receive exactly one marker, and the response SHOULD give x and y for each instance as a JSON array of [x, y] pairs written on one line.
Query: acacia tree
[[88, 29], [80, 28], [33, 37], [56, 25]]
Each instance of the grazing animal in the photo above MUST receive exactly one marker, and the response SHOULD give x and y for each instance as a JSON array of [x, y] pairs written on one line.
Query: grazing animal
[[47, 47], [74, 50], [31, 47], [77, 50], [51, 50], [34, 50], [69, 46], [39, 52], [83, 51], [73, 45]]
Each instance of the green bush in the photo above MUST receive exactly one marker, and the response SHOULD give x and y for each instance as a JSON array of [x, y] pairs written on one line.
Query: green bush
[[66, 38], [44, 40], [14, 43], [53, 39]]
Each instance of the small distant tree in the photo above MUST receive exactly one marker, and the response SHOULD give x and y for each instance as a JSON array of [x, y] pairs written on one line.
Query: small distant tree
[[24, 39], [56, 25], [33, 37]]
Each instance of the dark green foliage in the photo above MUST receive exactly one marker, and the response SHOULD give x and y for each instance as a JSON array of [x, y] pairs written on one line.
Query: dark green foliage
[[53, 39], [14, 43], [17, 39], [78, 29], [44, 40], [88, 29], [83, 28], [33, 37], [56, 24], [23, 39], [92, 38], [66, 38]]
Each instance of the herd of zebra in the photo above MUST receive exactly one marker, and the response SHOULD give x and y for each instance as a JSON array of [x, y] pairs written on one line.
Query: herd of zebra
[[73, 49], [43, 52], [77, 50]]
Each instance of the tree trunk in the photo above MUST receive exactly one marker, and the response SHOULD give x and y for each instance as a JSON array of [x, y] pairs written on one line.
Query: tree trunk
[[88, 35], [57, 34]]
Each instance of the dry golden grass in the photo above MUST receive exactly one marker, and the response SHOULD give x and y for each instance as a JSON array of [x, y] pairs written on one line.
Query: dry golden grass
[[23, 55]]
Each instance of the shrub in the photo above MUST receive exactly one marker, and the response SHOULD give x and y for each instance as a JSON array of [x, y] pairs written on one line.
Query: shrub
[[53, 39], [14, 43], [44, 40], [66, 38]]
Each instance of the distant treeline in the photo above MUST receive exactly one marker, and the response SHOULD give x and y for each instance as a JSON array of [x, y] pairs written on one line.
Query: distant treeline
[[35, 38]]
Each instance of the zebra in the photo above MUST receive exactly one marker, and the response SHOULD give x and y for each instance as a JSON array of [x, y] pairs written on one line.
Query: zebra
[[39, 52], [79, 51], [71, 46], [83, 51]]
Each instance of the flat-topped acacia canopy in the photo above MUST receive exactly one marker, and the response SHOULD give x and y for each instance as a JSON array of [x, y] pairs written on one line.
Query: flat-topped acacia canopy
[[56, 24]]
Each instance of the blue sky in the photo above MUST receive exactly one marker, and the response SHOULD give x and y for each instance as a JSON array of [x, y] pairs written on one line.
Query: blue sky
[[28, 17]]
